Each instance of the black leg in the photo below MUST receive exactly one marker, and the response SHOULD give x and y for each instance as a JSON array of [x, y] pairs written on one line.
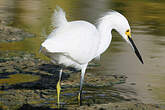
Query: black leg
[[81, 83]]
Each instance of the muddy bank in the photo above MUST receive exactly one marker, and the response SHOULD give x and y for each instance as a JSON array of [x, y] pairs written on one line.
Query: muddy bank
[[123, 106], [20, 63], [9, 34], [25, 79], [27, 82]]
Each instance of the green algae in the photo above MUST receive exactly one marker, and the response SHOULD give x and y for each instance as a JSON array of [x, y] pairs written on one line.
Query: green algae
[[19, 78]]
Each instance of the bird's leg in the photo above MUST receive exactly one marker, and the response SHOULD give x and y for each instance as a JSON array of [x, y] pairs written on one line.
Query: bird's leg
[[59, 88], [81, 83]]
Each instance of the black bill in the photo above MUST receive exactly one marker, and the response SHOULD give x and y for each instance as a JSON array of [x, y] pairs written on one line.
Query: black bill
[[40, 49], [135, 49]]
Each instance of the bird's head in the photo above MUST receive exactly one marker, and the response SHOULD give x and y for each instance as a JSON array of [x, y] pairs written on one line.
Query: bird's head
[[121, 25]]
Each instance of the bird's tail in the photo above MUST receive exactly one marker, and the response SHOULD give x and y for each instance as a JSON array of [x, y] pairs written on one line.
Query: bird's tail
[[58, 18]]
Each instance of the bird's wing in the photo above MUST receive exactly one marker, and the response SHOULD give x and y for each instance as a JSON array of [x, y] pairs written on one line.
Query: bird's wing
[[58, 18], [78, 39]]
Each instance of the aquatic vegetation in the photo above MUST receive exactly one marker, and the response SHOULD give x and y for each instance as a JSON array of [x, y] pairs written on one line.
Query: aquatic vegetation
[[19, 78]]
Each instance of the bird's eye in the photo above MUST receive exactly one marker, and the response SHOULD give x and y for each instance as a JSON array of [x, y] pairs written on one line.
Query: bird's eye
[[127, 30]]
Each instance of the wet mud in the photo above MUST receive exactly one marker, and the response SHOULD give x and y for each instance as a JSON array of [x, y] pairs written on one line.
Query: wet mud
[[10, 34], [27, 82]]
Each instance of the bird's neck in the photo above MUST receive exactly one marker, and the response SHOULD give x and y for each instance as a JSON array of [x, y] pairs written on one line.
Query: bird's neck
[[104, 29]]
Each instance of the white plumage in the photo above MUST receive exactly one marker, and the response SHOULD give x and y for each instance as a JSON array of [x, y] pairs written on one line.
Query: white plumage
[[76, 43], [58, 18], [68, 40]]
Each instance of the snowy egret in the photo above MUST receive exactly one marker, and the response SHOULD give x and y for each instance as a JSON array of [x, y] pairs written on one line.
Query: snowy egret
[[76, 43]]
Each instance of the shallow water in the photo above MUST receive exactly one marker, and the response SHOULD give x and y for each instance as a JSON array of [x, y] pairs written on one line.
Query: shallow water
[[146, 18]]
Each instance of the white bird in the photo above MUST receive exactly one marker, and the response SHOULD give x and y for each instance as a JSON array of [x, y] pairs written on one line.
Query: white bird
[[76, 43]]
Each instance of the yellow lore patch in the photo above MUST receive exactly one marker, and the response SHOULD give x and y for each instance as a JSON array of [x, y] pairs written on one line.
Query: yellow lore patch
[[128, 33]]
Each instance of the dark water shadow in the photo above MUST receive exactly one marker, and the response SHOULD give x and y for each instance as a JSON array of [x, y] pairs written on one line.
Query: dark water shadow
[[48, 80], [30, 107]]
